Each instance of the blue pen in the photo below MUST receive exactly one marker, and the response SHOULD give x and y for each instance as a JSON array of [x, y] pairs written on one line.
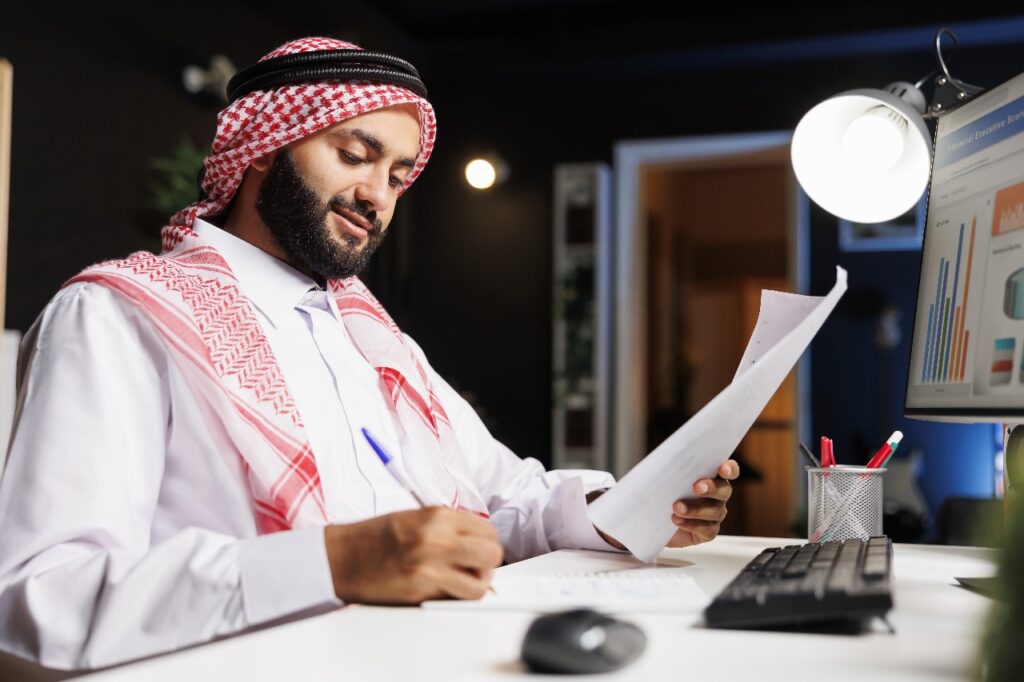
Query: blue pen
[[386, 458]]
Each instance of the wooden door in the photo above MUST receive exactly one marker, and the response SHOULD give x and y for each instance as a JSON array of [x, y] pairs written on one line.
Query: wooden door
[[765, 505]]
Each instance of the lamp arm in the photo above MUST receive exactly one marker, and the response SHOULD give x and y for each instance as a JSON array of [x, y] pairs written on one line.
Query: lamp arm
[[924, 78]]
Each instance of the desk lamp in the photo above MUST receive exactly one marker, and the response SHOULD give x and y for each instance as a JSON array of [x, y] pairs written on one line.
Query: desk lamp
[[865, 155]]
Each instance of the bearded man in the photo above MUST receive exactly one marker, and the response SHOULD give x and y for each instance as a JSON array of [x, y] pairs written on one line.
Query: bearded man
[[188, 460]]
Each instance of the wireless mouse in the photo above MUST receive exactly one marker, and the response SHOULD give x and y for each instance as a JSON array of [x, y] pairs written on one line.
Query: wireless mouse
[[581, 641]]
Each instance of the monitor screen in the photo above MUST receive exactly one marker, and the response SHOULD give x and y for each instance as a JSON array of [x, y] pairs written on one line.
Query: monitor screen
[[967, 354]]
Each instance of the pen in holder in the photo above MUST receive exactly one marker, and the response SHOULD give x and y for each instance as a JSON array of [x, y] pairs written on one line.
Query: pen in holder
[[843, 502]]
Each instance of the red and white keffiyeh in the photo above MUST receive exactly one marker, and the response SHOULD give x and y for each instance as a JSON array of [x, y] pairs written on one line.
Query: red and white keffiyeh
[[265, 120], [193, 299]]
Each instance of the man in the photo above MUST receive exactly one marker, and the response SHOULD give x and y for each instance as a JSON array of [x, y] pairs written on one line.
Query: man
[[188, 460]]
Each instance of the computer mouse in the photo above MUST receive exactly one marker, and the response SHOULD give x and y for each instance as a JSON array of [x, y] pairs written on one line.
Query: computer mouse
[[581, 641]]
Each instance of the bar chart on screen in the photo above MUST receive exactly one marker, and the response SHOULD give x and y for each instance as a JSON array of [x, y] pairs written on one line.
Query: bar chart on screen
[[950, 315]]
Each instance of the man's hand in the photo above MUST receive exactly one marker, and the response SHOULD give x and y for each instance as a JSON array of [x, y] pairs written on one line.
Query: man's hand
[[410, 556], [697, 520]]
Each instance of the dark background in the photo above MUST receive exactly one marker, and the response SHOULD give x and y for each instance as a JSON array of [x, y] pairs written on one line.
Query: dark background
[[98, 95]]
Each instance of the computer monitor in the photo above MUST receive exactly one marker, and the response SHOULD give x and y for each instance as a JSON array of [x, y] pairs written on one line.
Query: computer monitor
[[967, 353]]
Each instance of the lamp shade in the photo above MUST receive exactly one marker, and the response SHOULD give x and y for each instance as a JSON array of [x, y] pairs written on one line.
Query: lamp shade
[[863, 155]]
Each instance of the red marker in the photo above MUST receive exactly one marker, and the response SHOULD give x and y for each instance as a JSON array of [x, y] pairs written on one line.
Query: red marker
[[827, 458], [886, 451]]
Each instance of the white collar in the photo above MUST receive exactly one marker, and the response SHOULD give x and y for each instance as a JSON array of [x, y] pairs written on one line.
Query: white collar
[[270, 284]]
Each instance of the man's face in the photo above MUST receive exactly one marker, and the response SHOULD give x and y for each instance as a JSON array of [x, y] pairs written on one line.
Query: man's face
[[328, 199]]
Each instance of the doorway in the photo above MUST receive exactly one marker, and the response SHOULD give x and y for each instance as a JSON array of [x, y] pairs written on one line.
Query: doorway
[[703, 225]]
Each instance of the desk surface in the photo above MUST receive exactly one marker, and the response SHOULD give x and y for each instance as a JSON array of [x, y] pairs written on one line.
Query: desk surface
[[938, 626]]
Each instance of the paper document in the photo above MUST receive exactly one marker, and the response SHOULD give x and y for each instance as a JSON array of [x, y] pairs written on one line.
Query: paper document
[[618, 583], [637, 511]]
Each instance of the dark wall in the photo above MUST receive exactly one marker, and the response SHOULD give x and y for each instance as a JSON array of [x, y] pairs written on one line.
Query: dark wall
[[98, 94]]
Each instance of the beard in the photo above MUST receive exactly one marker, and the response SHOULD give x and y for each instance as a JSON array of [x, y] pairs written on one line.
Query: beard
[[297, 219]]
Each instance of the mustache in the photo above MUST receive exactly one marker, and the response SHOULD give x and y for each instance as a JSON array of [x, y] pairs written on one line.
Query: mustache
[[360, 208]]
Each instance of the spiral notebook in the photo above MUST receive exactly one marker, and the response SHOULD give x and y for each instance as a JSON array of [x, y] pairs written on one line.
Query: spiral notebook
[[612, 585]]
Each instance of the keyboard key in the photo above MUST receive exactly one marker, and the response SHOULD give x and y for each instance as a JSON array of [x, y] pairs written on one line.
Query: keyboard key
[[779, 561], [760, 560]]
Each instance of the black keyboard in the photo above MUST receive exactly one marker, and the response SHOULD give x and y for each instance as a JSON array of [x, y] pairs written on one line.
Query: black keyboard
[[809, 586]]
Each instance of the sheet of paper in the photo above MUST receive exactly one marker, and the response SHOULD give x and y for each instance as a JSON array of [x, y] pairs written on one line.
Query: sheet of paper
[[637, 511], [780, 313], [613, 583]]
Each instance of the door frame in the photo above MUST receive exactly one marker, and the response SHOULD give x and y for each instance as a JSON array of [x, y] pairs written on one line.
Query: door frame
[[626, 300]]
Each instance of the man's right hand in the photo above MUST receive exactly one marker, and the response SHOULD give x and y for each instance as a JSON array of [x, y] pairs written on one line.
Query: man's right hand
[[411, 556]]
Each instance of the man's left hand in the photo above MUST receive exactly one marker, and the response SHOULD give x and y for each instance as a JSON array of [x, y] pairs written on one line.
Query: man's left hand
[[699, 520]]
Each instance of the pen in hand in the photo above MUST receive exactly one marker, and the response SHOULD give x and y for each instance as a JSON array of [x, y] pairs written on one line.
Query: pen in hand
[[398, 476]]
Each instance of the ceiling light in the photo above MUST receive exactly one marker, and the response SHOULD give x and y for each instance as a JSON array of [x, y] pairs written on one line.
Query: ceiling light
[[484, 173]]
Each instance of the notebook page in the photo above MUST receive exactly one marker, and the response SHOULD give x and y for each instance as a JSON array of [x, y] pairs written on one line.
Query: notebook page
[[626, 589]]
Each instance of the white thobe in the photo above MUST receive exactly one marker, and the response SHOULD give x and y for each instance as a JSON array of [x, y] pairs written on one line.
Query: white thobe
[[124, 532]]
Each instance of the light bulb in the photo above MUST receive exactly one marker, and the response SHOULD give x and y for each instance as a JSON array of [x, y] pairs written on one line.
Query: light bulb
[[873, 142], [480, 173]]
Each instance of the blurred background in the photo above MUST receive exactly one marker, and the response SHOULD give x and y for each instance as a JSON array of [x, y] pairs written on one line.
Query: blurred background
[[509, 290]]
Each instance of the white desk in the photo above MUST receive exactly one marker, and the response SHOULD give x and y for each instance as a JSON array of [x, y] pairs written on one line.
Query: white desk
[[938, 627]]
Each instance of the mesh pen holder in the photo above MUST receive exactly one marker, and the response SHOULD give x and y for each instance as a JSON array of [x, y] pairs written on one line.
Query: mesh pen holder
[[843, 502]]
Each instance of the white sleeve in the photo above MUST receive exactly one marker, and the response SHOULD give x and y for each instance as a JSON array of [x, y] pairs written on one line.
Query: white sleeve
[[534, 510], [81, 583]]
